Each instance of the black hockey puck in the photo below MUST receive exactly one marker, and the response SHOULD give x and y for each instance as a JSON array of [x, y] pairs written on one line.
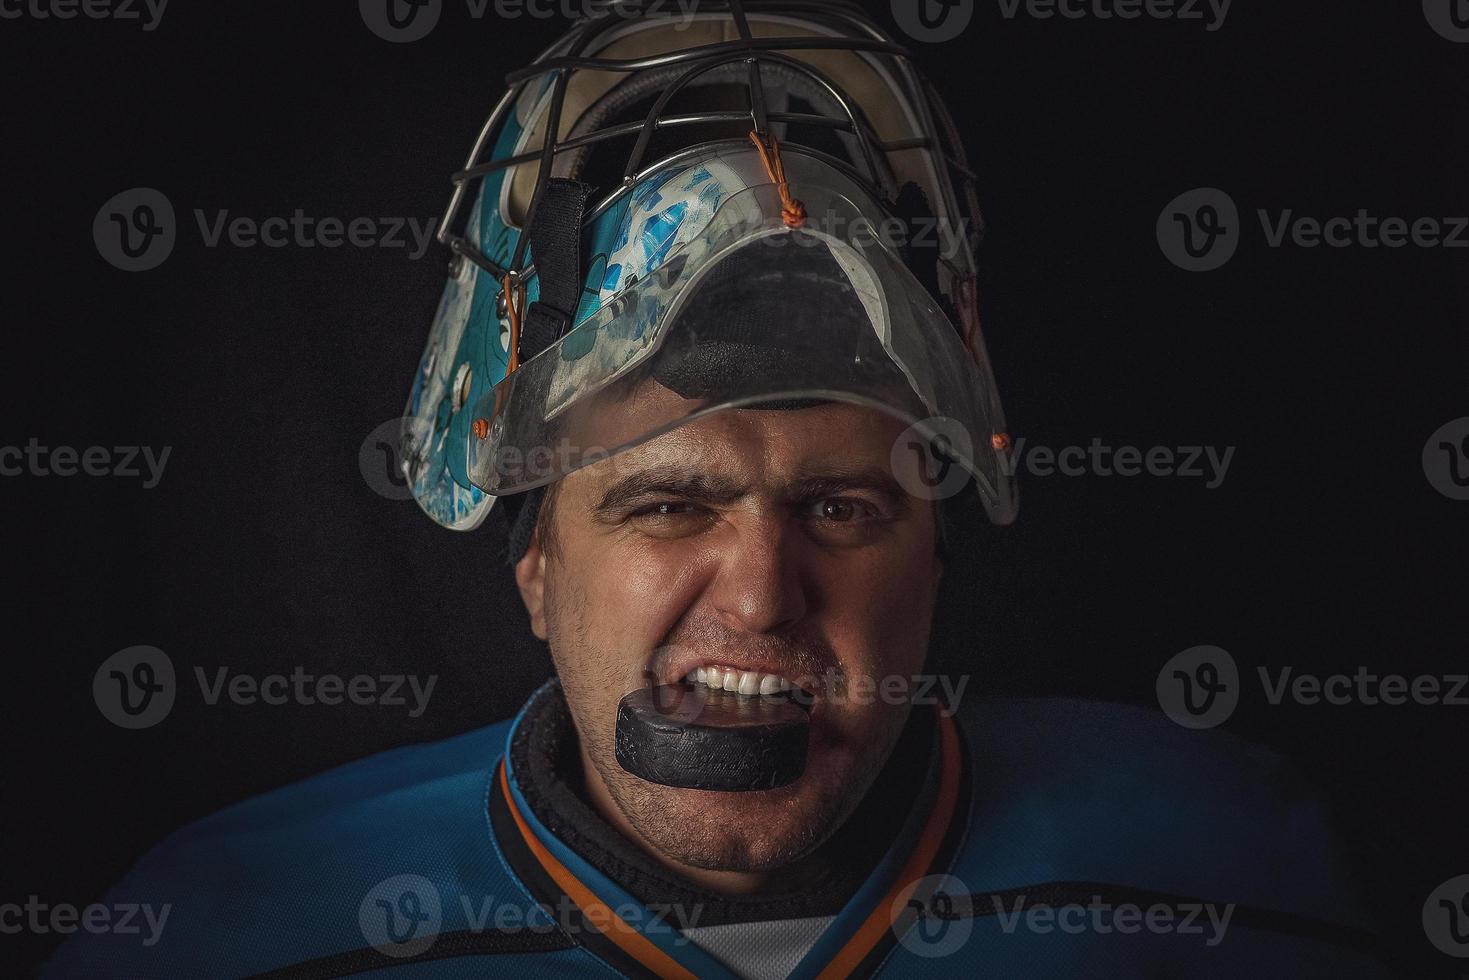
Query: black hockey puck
[[693, 737]]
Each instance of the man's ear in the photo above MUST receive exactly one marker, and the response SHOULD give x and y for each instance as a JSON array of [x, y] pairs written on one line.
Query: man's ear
[[530, 577]]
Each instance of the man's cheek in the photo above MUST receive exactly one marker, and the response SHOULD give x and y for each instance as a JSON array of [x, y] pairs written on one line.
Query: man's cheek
[[882, 613], [643, 592]]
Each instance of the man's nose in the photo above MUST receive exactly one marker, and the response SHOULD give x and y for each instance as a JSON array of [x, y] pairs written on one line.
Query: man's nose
[[759, 587]]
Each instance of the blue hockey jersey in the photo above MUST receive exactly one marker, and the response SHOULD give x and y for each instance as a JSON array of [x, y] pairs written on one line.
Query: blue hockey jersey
[[1049, 839]]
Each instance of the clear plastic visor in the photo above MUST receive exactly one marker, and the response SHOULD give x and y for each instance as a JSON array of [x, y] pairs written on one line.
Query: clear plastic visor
[[747, 313]]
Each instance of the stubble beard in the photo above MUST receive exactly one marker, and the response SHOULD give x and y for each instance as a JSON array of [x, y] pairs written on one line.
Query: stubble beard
[[691, 827]]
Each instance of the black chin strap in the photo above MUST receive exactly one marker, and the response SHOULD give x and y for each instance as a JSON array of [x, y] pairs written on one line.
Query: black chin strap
[[555, 245]]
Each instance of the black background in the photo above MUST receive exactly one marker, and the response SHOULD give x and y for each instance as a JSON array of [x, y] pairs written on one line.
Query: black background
[[265, 369]]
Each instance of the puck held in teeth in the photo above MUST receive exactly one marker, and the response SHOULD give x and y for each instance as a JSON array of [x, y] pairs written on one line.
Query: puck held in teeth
[[691, 737]]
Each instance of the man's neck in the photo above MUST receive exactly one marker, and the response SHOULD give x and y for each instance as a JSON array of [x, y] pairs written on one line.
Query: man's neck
[[787, 878], [568, 796]]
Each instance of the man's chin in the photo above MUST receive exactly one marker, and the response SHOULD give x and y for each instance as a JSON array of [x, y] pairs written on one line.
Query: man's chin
[[721, 847], [755, 831], [753, 857]]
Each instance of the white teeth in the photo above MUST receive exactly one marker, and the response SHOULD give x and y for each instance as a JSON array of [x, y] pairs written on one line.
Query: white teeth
[[749, 682]]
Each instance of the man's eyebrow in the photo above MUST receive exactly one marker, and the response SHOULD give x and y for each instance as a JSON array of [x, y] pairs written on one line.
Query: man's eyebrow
[[669, 481], [872, 479], [703, 488]]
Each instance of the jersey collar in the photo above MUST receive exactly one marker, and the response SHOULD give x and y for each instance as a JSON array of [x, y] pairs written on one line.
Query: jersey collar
[[601, 915]]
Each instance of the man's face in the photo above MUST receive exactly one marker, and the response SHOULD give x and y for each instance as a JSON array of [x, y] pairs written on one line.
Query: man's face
[[768, 540]]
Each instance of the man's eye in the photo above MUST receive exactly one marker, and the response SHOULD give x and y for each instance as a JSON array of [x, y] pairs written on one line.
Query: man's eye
[[841, 510], [665, 508], [669, 519]]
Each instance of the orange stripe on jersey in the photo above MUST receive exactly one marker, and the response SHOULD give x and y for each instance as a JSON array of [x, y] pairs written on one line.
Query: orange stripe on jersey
[[593, 909], [934, 830]]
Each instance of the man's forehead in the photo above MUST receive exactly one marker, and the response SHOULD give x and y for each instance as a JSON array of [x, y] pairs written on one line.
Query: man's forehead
[[750, 448]]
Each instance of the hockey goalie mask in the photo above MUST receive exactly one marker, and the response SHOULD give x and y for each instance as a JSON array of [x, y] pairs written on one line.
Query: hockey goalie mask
[[759, 205]]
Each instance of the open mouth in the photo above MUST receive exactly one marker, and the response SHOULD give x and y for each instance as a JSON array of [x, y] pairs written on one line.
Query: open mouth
[[716, 728], [741, 681]]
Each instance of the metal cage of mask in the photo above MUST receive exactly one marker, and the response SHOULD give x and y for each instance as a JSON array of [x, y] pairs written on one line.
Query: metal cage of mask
[[618, 75], [860, 36]]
